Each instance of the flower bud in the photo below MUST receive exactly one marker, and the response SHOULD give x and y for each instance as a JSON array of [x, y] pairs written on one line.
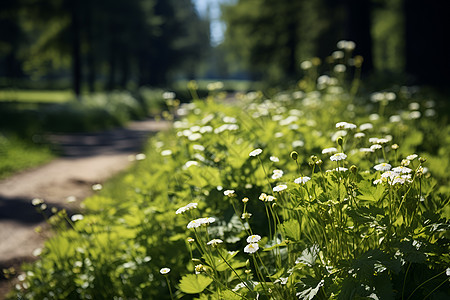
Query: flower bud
[[394, 147], [422, 160], [294, 155]]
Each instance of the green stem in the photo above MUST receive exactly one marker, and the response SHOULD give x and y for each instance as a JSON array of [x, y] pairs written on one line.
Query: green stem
[[426, 281], [170, 289], [234, 271]]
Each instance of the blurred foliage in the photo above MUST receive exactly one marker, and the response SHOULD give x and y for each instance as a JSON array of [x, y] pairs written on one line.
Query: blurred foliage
[[111, 43], [399, 39], [95, 111], [17, 154]]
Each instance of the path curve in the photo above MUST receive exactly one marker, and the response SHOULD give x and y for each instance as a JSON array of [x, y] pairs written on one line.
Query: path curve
[[88, 158]]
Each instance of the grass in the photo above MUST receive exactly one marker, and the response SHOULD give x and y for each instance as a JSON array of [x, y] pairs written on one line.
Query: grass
[[41, 96], [17, 155]]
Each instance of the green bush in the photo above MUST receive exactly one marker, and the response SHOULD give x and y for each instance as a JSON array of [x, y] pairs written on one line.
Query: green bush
[[311, 194]]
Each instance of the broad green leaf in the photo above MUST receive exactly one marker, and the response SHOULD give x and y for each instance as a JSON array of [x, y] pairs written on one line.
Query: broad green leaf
[[194, 284], [291, 229], [369, 191], [308, 256], [310, 290]]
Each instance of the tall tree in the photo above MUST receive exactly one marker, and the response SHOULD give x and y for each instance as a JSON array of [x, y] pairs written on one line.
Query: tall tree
[[427, 48]]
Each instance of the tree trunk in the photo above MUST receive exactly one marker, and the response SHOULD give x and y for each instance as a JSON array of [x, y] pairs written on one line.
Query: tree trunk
[[91, 44], [358, 29], [76, 49]]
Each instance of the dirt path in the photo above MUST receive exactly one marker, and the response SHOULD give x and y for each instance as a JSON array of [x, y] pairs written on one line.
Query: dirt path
[[87, 159]]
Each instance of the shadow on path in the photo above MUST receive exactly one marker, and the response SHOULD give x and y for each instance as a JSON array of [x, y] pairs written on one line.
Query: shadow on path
[[123, 140], [20, 210]]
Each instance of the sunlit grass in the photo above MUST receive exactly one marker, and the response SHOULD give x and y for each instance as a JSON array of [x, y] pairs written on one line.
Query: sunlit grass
[[46, 96], [17, 155]]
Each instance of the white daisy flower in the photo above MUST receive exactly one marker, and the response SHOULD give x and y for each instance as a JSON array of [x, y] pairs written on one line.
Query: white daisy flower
[[302, 180], [164, 271], [305, 65], [365, 126], [340, 169], [375, 147], [185, 208], [274, 159], [77, 217], [229, 193], [246, 215], [366, 150], [389, 175], [199, 222], [377, 181], [338, 157], [411, 157], [277, 174], [97, 187], [280, 188], [166, 152], [255, 152], [140, 156], [253, 238], [298, 143], [402, 170], [382, 167], [340, 68], [251, 248], [329, 150], [194, 136], [37, 201], [270, 198], [337, 134], [359, 135], [190, 163], [395, 119], [345, 125], [405, 162], [214, 242]]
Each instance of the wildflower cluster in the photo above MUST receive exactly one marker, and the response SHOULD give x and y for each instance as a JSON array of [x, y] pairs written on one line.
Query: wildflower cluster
[[327, 179]]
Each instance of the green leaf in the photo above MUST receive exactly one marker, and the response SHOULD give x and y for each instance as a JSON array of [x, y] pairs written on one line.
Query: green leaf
[[309, 256], [312, 287], [369, 191], [291, 229], [282, 244], [194, 284]]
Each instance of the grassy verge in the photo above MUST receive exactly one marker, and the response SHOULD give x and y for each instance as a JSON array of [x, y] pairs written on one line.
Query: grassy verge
[[17, 155], [41, 96]]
